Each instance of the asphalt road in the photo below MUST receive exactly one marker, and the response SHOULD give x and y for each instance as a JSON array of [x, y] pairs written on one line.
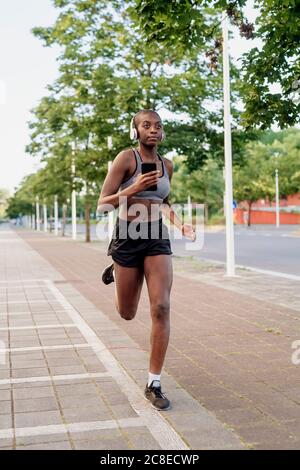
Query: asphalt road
[[263, 247]]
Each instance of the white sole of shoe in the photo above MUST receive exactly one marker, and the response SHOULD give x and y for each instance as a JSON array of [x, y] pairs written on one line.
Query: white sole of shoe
[[157, 409]]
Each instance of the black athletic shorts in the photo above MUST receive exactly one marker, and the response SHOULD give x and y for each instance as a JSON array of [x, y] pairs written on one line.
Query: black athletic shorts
[[132, 241]]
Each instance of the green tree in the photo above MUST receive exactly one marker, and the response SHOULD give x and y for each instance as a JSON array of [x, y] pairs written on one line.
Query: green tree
[[4, 195], [256, 179], [285, 156], [108, 72], [22, 201], [253, 181], [186, 24], [205, 186]]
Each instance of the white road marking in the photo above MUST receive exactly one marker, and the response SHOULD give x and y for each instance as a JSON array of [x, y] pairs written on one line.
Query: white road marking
[[37, 327], [73, 427], [21, 287], [15, 313], [23, 280], [48, 378], [162, 432], [25, 301], [292, 277], [29, 312], [44, 348]]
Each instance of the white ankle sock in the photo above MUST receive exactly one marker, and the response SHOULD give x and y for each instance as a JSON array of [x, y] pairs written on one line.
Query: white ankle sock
[[155, 378]]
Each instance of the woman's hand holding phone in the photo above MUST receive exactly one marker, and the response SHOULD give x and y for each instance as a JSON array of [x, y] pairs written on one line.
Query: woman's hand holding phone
[[146, 180]]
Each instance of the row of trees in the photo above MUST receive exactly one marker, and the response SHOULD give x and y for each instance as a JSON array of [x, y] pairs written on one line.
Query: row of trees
[[253, 180], [187, 25], [256, 179], [4, 194], [120, 56]]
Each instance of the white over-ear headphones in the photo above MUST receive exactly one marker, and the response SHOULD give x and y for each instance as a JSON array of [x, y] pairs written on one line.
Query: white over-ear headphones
[[133, 130], [134, 133]]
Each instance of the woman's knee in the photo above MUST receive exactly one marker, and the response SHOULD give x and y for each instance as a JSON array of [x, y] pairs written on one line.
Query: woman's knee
[[127, 313], [160, 312]]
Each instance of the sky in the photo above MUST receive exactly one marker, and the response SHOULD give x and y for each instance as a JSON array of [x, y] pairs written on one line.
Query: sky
[[26, 67]]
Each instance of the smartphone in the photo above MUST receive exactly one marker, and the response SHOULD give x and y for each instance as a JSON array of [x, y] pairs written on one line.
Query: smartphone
[[146, 168]]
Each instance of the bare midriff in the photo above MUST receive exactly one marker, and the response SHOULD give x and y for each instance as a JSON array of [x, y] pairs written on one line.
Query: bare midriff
[[140, 209]]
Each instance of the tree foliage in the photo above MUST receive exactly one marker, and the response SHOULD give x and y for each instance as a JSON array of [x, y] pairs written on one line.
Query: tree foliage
[[256, 179], [185, 23]]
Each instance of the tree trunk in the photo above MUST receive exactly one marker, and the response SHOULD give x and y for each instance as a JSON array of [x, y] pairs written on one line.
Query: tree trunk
[[51, 217], [87, 222], [64, 217], [249, 213], [205, 213]]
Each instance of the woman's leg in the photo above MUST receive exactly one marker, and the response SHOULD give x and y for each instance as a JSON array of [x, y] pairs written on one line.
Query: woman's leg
[[159, 277], [128, 287]]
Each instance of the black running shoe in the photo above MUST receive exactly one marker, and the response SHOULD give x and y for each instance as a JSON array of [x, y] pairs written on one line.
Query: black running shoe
[[157, 399], [107, 274]]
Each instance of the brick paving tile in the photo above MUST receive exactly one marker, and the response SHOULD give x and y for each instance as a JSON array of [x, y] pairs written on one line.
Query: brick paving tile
[[227, 347], [5, 421], [37, 418], [33, 392]]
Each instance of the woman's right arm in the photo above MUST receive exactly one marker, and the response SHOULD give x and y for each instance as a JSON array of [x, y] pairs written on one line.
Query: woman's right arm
[[109, 198]]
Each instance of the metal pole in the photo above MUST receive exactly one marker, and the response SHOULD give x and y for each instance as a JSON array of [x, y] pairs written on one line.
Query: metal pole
[[32, 218], [74, 228], [55, 216], [45, 218], [277, 198], [73, 169], [230, 258], [37, 209], [189, 207], [224, 197]]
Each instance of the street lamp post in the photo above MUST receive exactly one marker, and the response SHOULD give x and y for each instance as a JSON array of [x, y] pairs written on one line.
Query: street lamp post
[[32, 218], [73, 170], [189, 207], [45, 218], [55, 216], [230, 258], [277, 198], [37, 209]]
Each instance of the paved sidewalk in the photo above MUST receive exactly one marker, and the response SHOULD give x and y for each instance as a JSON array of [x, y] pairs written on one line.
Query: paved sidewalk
[[229, 369], [70, 377]]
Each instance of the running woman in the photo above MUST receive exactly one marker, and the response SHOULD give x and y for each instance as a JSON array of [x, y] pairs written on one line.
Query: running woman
[[136, 253]]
